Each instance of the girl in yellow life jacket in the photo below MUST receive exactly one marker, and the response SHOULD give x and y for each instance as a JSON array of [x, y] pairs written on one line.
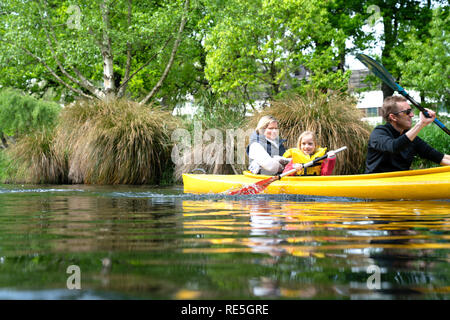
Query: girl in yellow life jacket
[[306, 151]]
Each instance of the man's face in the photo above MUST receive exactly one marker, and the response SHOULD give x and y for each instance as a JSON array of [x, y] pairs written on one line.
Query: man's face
[[404, 120]]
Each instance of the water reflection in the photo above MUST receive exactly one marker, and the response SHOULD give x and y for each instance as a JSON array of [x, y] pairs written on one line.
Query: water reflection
[[405, 239], [164, 244]]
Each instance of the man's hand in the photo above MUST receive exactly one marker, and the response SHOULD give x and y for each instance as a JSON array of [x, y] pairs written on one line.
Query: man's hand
[[426, 121]]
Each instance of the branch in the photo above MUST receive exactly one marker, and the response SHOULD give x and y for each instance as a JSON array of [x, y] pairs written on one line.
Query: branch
[[82, 81], [172, 56], [53, 73], [145, 64]]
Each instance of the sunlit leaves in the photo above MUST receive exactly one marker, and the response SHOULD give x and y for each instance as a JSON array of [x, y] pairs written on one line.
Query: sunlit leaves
[[260, 44], [429, 68]]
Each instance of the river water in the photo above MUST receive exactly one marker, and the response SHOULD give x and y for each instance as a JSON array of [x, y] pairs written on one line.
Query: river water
[[157, 243]]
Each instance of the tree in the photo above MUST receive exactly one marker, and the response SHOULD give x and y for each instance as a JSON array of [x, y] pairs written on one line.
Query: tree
[[400, 19], [94, 49], [349, 16], [428, 69], [257, 49]]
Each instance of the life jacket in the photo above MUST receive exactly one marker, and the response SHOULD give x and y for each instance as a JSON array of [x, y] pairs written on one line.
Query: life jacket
[[269, 147], [299, 157]]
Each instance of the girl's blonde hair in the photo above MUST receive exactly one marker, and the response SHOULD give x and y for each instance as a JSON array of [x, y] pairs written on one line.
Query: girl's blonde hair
[[304, 134], [264, 123]]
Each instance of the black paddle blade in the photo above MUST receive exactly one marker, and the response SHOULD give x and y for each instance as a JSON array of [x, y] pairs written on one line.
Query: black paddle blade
[[380, 71]]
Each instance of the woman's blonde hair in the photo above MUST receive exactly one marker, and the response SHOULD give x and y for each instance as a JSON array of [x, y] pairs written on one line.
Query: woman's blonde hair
[[304, 134], [264, 123]]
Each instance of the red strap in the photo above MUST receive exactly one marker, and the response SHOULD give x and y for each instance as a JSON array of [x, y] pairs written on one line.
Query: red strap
[[328, 166], [289, 167]]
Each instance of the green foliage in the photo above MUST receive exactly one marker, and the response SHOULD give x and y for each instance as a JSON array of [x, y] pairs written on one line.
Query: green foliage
[[428, 69], [435, 137], [398, 26], [256, 47], [21, 114], [65, 43], [214, 112]]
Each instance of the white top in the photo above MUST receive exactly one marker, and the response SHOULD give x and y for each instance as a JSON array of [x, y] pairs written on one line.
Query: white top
[[262, 160]]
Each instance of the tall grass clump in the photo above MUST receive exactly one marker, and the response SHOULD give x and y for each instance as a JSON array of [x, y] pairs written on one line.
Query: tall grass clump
[[332, 116], [217, 117], [7, 167], [33, 159], [115, 142]]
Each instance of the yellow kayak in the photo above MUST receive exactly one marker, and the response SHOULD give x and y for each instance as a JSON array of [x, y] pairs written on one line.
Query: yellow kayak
[[433, 183]]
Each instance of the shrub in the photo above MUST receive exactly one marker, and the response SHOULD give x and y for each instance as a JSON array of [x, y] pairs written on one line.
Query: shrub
[[30, 158], [7, 168], [332, 116], [435, 137], [35, 159], [22, 114], [115, 142]]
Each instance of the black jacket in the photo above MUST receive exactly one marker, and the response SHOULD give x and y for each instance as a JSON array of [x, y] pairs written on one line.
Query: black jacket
[[389, 151]]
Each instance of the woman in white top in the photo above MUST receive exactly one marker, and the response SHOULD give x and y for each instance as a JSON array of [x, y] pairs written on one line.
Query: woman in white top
[[266, 147]]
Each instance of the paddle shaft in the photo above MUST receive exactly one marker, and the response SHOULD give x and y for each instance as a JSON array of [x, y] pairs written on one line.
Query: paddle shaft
[[262, 184], [422, 109], [309, 164]]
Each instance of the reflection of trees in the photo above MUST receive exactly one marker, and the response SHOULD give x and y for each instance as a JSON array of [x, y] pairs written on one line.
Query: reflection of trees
[[406, 270], [116, 223], [226, 249], [114, 240], [87, 223]]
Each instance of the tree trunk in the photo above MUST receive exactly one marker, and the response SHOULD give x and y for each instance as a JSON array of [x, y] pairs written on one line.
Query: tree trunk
[[389, 42], [108, 63], [341, 64]]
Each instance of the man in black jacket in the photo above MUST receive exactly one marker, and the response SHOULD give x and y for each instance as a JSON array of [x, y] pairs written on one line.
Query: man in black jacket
[[392, 146]]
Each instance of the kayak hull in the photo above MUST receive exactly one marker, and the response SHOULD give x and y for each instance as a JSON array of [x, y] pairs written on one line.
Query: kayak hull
[[422, 184]]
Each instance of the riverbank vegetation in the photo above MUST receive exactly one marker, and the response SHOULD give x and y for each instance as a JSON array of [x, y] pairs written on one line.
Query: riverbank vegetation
[[211, 125], [116, 142], [435, 137], [122, 69]]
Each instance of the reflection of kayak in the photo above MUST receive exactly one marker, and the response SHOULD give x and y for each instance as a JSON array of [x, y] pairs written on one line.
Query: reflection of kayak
[[433, 183]]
